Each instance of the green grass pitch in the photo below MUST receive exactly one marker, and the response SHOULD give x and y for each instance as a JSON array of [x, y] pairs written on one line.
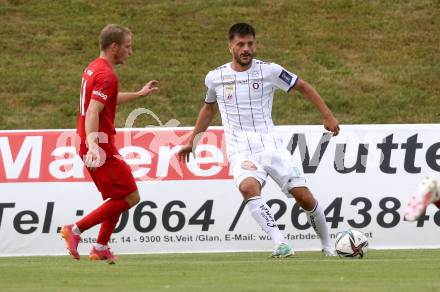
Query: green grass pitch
[[381, 270]]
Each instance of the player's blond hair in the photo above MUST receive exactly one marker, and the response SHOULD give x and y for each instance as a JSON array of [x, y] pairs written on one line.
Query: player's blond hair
[[112, 33]]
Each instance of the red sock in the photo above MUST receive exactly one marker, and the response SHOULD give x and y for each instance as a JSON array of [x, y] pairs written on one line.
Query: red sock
[[437, 204], [110, 209], [106, 230]]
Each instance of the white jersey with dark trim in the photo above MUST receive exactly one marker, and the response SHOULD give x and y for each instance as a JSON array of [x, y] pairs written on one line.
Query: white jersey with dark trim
[[245, 103]]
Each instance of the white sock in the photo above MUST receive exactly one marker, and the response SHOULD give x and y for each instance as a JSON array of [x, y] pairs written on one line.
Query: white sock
[[316, 218], [263, 215], [100, 246], [76, 230]]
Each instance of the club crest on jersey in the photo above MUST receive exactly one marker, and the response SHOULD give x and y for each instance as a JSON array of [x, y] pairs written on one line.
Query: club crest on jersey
[[248, 165], [229, 92], [286, 77]]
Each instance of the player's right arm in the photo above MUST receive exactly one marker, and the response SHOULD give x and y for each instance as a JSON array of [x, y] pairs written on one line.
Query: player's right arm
[[92, 127], [206, 114]]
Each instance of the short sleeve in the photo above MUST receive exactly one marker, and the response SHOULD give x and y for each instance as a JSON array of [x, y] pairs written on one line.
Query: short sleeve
[[282, 78], [103, 87], [211, 96]]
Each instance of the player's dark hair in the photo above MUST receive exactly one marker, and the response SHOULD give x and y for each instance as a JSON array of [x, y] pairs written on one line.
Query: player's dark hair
[[241, 29], [112, 33]]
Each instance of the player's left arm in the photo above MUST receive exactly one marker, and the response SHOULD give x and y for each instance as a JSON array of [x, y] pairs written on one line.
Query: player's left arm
[[146, 90], [330, 122]]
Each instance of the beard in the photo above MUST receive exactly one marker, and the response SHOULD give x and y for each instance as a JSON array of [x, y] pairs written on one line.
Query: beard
[[244, 63]]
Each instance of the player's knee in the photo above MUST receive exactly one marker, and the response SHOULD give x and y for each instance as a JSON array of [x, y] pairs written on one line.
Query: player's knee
[[304, 197], [247, 193], [249, 188], [136, 198], [133, 198]]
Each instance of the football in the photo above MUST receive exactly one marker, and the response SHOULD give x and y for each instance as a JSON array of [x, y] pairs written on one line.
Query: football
[[351, 244]]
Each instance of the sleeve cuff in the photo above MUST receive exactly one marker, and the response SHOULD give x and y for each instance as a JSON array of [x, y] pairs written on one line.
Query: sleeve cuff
[[293, 85], [97, 98]]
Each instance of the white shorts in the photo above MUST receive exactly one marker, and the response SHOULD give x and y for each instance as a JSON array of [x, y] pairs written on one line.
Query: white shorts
[[279, 165]]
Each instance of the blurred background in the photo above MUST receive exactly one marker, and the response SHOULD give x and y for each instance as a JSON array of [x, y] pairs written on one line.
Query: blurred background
[[372, 61]]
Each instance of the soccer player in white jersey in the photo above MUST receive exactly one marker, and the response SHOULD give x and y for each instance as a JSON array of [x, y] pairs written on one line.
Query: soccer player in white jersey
[[243, 92]]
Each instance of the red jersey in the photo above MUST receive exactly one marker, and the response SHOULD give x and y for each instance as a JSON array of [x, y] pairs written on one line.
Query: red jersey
[[100, 83]]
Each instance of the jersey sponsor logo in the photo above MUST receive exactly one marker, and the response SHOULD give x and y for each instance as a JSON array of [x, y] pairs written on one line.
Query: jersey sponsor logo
[[228, 78], [286, 77], [256, 86], [255, 74], [100, 94], [248, 165]]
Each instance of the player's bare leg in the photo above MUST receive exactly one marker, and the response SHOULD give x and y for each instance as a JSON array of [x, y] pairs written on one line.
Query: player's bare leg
[[426, 193], [133, 198], [250, 188], [315, 217]]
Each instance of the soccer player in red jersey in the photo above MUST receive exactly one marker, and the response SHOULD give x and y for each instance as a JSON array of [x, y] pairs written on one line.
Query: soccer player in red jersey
[[98, 99]]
